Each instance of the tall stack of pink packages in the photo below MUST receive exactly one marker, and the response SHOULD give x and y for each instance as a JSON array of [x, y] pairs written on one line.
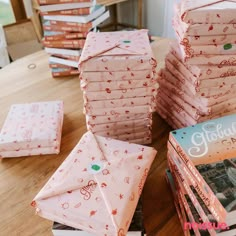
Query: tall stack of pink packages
[[119, 85], [198, 82]]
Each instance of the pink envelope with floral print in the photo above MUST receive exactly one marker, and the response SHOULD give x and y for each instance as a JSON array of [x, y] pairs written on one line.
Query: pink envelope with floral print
[[117, 51], [97, 187]]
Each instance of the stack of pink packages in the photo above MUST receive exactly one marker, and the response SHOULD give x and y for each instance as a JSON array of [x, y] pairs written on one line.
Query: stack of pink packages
[[198, 82], [32, 129], [119, 84], [97, 187]]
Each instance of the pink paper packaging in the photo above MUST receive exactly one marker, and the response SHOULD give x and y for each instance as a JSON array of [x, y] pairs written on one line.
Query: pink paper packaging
[[193, 111], [125, 102], [178, 79], [118, 84], [108, 76], [165, 115], [200, 72], [214, 39], [196, 108], [120, 93], [198, 83], [130, 132], [119, 111], [205, 29], [117, 51], [208, 11], [83, 192], [191, 50], [219, 60], [32, 129], [144, 140], [93, 120], [120, 125], [129, 136], [202, 103], [175, 112]]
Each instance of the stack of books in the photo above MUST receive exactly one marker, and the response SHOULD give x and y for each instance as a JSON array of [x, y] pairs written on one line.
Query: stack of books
[[66, 24], [202, 162], [198, 81], [136, 227], [119, 84]]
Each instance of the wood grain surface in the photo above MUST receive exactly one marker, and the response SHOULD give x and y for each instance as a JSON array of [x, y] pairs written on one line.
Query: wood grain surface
[[29, 80]]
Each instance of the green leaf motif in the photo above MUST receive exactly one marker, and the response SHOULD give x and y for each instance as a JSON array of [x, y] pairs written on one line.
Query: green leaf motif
[[96, 167], [126, 41], [228, 46]]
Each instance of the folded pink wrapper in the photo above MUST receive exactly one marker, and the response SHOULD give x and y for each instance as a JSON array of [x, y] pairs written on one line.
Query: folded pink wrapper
[[32, 129], [116, 126], [125, 102], [200, 102], [182, 117], [93, 120], [192, 50], [120, 93], [194, 81], [118, 111], [129, 137], [197, 73], [108, 76], [194, 111], [117, 51], [219, 60], [169, 118], [208, 11], [214, 39], [97, 187], [118, 84], [126, 133], [176, 78], [203, 29]]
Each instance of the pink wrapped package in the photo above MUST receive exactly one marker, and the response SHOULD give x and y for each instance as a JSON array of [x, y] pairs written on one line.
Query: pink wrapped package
[[118, 84], [125, 102], [193, 111], [208, 11], [192, 50], [117, 51], [202, 103], [168, 117], [176, 78], [118, 111], [198, 83], [97, 188], [129, 137], [126, 134], [32, 129], [219, 60], [120, 126], [196, 73], [184, 30], [108, 76], [175, 111], [93, 120], [143, 140], [214, 39], [120, 93]]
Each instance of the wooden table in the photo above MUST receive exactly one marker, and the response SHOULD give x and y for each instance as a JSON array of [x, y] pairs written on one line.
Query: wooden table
[[29, 80]]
